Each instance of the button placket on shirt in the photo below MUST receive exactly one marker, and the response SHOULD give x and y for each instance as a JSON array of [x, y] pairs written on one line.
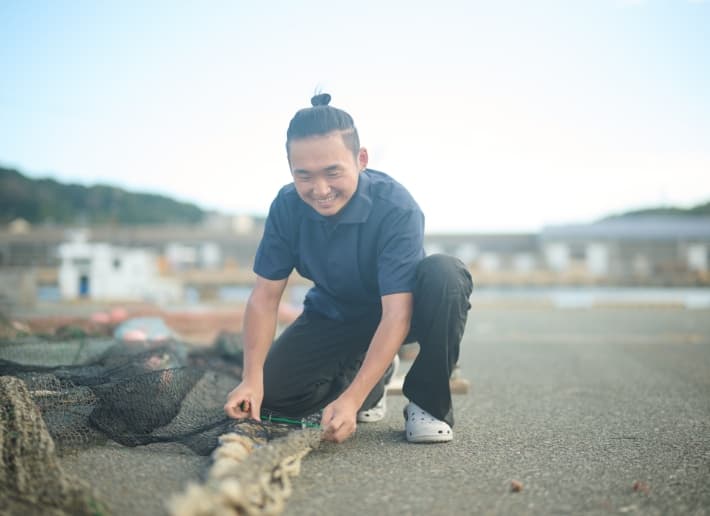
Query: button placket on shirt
[[331, 236]]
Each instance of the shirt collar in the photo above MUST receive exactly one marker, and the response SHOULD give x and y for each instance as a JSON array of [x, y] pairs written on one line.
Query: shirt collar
[[358, 207]]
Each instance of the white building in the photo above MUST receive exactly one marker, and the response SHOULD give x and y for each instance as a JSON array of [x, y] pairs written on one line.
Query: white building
[[642, 248], [105, 272], [557, 256], [204, 255]]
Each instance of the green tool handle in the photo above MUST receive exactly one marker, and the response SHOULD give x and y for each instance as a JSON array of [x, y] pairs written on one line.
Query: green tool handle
[[302, 422]]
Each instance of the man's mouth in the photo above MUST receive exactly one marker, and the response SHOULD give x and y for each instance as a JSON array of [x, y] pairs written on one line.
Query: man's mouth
[[326, 200]]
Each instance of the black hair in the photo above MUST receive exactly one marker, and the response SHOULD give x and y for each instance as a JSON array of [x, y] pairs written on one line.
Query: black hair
[[323, 119]]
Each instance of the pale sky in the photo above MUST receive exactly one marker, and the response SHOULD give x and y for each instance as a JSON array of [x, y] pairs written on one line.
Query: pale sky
[[496, 115]]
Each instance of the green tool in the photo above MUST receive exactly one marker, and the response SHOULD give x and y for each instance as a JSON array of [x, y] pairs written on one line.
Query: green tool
[[302, 422], [267, 416]]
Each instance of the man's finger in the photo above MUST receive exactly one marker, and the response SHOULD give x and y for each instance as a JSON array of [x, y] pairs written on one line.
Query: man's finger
[[326, 417], [231, 411], [256, 411], [343, 433], [331, 430], [235, 409]]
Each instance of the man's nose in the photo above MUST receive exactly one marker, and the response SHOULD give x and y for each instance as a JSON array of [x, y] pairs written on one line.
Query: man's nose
[[321, 187]]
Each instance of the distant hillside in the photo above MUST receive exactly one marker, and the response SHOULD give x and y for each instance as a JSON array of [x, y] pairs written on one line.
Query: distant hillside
[[48, 201], [665, 211]]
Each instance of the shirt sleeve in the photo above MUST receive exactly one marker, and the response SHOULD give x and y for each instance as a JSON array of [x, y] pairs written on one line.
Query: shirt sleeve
[[274, 257], [401, 250]]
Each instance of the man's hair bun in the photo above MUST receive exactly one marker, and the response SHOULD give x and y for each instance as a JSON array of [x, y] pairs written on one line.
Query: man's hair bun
[[322, 99], [323, 119]]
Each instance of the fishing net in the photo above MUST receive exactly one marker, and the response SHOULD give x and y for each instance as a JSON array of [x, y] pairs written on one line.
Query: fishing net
[[62, 396], [31, 477]]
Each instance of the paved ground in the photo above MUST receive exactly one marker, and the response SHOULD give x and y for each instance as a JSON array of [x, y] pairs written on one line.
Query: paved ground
[[578, 405]]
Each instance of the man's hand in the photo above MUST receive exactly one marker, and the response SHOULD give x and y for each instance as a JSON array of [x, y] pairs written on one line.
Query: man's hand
[[245, 401], [339, 419], [259, 329]]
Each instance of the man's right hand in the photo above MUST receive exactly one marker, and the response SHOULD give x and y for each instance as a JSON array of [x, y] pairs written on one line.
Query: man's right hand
[[260, 317], [245, 401]]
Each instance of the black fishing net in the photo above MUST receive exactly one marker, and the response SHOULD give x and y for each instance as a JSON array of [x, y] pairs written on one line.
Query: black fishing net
[[132, 393], [90, 390]]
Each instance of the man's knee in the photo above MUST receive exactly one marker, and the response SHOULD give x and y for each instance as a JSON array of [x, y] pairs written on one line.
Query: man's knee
[[444, 271]]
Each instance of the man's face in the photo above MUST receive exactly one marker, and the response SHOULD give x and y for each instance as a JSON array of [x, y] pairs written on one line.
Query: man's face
[[325, 172]]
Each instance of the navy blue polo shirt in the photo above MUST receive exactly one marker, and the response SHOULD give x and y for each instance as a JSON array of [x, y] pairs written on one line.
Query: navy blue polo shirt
[[372, 250]]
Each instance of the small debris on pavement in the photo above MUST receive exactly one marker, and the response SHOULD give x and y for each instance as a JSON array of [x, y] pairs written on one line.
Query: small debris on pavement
[[516, 486], [641, 487]]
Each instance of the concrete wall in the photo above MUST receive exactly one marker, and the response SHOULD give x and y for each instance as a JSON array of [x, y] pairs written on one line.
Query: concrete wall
[[18, 289]]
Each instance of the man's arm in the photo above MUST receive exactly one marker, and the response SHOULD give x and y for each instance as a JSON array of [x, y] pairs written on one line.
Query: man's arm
[[339, 418], [260, 319]]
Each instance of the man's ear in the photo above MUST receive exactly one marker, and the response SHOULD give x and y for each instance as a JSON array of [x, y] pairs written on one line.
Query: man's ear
[[362, 158]]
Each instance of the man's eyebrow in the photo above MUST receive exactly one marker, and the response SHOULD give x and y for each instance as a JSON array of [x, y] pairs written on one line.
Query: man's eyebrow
[[329, 168]]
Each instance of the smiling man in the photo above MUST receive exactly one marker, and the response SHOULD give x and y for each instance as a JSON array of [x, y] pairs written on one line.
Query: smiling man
[[358, 235]]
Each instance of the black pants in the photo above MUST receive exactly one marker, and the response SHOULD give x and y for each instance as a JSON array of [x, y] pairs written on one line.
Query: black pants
[[314, 360]]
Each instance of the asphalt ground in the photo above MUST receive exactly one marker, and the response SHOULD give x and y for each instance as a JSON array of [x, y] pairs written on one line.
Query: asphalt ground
[[577, 405]]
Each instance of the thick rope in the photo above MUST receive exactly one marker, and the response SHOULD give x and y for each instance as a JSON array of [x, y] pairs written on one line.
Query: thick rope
[[248, 476], [30, 473]]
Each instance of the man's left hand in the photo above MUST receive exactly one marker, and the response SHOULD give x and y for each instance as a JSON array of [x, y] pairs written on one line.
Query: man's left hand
[[339, 419]]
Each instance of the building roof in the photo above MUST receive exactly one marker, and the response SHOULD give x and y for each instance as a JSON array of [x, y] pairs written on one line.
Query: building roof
[[633, 228], [484, 242]]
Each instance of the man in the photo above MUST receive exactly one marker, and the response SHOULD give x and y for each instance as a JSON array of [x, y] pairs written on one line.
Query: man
[[357, 234]]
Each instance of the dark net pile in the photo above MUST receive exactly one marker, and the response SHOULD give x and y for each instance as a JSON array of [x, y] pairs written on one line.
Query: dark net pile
[[90, 390]]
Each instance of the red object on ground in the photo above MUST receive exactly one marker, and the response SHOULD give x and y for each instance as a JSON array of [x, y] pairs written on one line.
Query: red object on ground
[[118, 315], [100, 318], [134, 336]]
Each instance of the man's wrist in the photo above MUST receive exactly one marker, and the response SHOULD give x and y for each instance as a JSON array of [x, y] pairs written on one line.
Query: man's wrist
[[355, 395], [253, 376]]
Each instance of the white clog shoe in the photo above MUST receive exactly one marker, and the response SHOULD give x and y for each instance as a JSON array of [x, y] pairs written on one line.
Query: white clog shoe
[[422, 427]]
